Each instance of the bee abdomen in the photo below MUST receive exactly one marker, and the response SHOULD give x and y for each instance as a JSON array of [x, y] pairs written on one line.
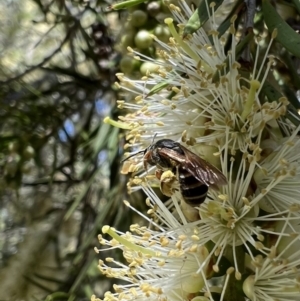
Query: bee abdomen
[[193, 191]]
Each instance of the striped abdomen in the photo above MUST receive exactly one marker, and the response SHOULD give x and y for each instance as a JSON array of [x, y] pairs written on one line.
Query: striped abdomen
[[193, 191]]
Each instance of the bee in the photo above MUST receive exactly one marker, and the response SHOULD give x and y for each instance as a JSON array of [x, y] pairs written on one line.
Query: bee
[[194, 174]]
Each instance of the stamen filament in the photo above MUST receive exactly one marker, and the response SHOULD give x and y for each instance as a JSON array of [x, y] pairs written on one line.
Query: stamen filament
[[254, 86], [118, 124], [108, 230], [186, 47]]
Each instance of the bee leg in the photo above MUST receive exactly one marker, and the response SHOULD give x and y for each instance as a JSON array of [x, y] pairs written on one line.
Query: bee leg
[[176, 171], [158, 173], [145, 160], [167, 180], [145, 165]]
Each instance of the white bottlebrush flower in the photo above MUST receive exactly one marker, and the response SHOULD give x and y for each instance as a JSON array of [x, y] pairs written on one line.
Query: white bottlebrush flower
[[200, 97], [276, 276], [273, 280], [228, 111], [279, 176], [163, 264]]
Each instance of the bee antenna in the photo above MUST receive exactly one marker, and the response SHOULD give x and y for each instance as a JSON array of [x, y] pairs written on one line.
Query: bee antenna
[[153, 138], [142, 151]]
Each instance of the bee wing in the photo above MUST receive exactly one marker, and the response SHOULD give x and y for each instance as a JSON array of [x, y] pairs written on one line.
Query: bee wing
[[202, 170], [172, 154]]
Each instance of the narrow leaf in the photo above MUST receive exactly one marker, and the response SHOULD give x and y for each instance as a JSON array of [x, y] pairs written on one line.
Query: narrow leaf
[[292, 69], [286, 36], [239, 48], [125, 4], [270, 92], [236, 9], [297, 5], [200, 16]]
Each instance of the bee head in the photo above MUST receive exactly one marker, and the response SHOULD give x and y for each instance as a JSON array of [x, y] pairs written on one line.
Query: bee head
[[145, 151]]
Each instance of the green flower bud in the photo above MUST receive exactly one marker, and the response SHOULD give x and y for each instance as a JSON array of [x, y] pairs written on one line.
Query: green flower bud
[[162, 33], [148, 67], [138, 18], [143, 39], [127, 64]]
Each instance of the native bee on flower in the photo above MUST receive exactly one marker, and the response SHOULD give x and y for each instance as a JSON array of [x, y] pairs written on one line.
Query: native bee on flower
[[194, 174]]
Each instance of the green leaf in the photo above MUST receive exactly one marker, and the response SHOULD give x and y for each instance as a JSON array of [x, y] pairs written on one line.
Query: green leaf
[[57, 296], [286, 36], [297, 5], [125, 4], [292, 98], [239, 48], [295, 78], [270, 92], [273, 94], [113, 144], [236, 10], [293, 107], [200, 16], [101, 138]]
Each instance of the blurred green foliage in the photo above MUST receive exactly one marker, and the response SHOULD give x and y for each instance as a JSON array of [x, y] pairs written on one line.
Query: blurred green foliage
[[59, 164]]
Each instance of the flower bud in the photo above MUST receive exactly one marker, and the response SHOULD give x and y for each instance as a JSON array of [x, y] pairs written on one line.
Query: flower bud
[[138, 18], [162, 32], [127, 64], [248, 287], [148, 67], [194, 282], [153, 8], [143, 39]]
